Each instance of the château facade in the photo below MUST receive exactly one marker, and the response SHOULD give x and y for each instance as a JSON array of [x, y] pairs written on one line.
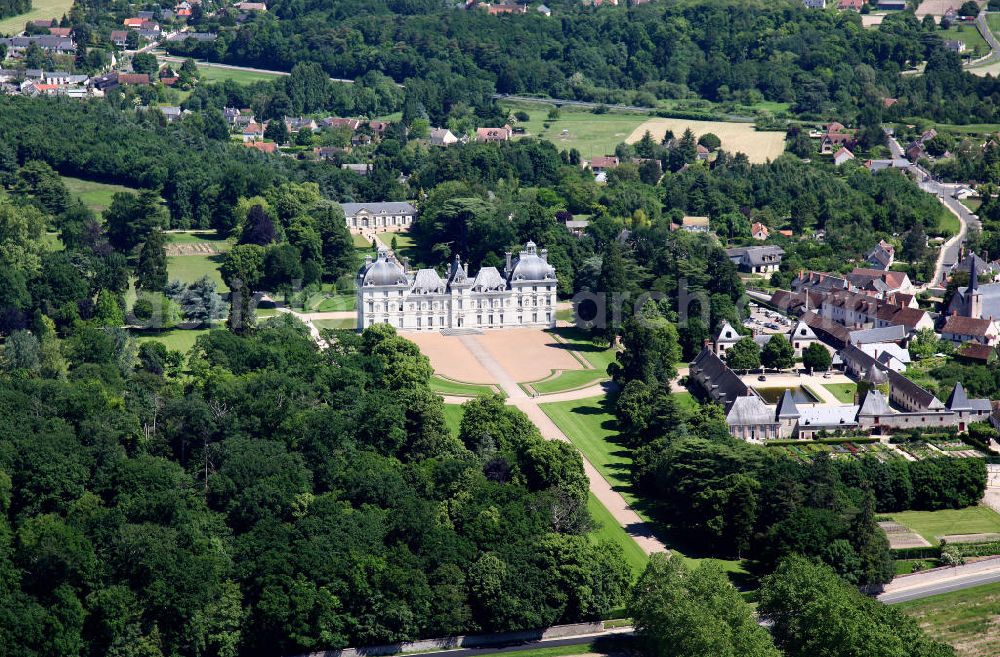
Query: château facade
[[523, 295]]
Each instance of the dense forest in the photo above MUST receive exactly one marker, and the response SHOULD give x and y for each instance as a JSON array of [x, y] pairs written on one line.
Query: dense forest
[[276, 500], [450, 60]]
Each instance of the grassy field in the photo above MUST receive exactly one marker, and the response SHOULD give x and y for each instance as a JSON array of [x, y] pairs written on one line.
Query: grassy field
[[174, 339], [568, 380], [844, 392], [972, 203], [39, 9], [975, 45], [616, 645], [211, 73], [453, 417], [609, 530], [361, 242], [948, 224], [444, 386], [96, 196], [192, 267], [591, 134], [932, 524], [966, 619], [993, 22]]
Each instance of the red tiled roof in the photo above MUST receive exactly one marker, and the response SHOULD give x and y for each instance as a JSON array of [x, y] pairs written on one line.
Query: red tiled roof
[[975, 351], [133, 78], [262, 146], [604, 162]]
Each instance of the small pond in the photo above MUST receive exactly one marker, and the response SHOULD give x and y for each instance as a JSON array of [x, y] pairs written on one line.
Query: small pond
[[799, 394]]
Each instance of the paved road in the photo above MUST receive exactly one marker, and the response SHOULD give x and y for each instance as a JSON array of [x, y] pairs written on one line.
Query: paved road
[[925, 585], [949, 253], [527, 645]]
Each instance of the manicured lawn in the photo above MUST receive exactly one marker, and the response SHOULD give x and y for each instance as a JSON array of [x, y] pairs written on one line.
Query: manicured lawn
[[453, 417], [568, 380], [590, 425], [444, 386], [932, 524], [192, 267], [346, 323], [591, 134], [609, 530], [211, 74], [175, 339], [597, 354], [333, 303], [966, 619], [361, 242], [565, 315], [96, 196], [844, 392], [39, 9]]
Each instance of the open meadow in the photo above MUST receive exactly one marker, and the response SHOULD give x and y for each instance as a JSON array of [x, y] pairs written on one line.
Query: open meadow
[[39, 9], [968, 620], [214, 73], [96, 196], [591, 134], [759, 146], [932, 525]]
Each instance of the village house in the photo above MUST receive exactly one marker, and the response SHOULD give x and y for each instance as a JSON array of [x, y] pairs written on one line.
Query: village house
[[543, 10], [251, 6], [850, 5], [119, 38], [959, 329], [602, 163], [51, 44], [759, 231], [695, 224], [297, 124], [494, 135], [836, 137], [360, 169], [253, 131], [504, 8], [262, 146], [756, 259], [879, 282], [337, 122], [881, 256], [442, 137], [841, 156]]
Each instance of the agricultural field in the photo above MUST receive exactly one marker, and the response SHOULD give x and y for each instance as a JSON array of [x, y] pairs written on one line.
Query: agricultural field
[[949, 522], [39, 9], [591, 134], [966, 619], [759, 146], [96, 196]]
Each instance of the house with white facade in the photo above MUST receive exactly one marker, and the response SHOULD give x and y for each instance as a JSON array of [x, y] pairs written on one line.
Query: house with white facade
[[387, 214], [523, 295]]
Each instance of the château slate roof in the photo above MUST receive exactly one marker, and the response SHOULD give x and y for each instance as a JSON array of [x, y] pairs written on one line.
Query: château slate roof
[[723, 385], [489, 278], [787, 407], [749, 410], [923, 398], [875, 403]]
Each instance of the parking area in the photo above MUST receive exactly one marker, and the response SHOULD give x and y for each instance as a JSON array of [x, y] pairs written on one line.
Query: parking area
[[763, 320]]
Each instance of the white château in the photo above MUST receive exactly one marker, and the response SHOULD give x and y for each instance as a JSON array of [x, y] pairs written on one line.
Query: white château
[[523, 295]]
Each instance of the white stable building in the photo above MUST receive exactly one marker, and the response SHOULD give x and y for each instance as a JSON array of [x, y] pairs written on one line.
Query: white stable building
[[523, 295], [388, 214]]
